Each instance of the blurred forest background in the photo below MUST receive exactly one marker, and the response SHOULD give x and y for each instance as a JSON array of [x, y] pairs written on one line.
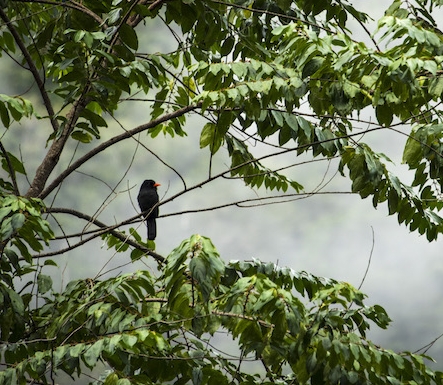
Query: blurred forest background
[[332, 234]]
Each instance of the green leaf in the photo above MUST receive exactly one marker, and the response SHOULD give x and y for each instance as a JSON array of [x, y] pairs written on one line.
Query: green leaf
[[79, 35], [17, 221], [4, 115], [16, 164], [4, 211], [44, 283], [436, 87], [384, 114], [305, 126], [205, 266], [9, 41], [129, 340], [88, 39], [292, 123], [112, 379], [207, 134], [81, 136], [284, 135], [6, 228], [93, 118], [16, 302], [312, 66], [197, 376], [227, 46], [213, 135], [412, 153], [128, 36], [77, 349], [93, 353], [113, 16]]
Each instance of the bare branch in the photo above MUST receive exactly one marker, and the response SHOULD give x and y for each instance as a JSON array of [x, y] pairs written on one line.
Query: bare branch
[[156, 4], [103, 229], [369, 261], [53, 155], [263, 201], [154, 154], [424, 349]]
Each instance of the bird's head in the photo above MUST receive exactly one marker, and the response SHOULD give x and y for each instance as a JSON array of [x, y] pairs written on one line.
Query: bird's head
[[150, 184]]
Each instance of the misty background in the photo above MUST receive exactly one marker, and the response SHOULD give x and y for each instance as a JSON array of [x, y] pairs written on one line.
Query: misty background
[[331, 235]]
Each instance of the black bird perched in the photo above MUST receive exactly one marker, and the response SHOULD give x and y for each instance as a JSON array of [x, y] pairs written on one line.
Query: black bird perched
[[147, 199]]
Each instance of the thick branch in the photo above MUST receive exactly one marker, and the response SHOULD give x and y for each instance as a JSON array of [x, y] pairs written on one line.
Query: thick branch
[[53, 155], [116, 139], [105, 229]]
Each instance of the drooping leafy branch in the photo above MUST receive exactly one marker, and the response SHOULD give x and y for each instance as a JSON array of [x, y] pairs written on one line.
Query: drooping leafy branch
[[155, 330]]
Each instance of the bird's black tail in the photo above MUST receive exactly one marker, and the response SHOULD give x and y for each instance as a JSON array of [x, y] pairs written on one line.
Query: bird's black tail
[[152, 228]]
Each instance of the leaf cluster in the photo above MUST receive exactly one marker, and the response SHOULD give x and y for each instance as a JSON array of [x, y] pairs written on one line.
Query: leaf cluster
[[152, 330], [22, 225], [248, 68]]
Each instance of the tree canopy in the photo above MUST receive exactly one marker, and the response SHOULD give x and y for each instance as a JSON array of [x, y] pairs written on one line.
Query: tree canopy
[[290, 75]]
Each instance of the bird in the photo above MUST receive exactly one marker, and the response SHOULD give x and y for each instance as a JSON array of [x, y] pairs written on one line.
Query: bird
[[147, 199]]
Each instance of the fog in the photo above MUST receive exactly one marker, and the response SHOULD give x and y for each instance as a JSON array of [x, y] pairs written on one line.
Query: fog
[[335, 235]]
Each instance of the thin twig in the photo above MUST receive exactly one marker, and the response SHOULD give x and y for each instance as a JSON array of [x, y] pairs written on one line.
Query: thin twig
[[424, 349], [103, 146], [140, 143], [369, 261]]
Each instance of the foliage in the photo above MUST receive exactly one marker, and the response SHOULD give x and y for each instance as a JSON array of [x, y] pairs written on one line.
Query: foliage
[[157, 330], [287, 74]]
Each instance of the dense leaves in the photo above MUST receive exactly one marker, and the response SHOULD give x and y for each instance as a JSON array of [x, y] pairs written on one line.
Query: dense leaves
[[22, 224], [154, 330], [249, 68], [270, 78]]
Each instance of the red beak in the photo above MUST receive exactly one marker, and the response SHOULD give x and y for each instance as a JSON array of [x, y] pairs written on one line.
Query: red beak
[[157, 184]]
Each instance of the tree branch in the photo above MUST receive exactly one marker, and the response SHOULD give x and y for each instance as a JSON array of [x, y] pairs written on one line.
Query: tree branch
[[263, 201], [103, 146], [53, 155], [67, 4], [104, 229], [35, 73]]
